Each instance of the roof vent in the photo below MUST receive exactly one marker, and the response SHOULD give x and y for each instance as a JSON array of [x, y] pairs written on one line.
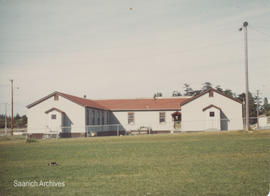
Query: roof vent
[[84, 96]]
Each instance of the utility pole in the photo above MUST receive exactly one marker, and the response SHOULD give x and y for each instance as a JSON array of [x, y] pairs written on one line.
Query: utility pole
[[11, 126], [245, 24], [258, 109], [6, 118]]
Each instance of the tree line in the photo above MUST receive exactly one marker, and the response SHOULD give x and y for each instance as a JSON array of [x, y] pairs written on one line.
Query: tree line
[[18, 121], [254, 100]]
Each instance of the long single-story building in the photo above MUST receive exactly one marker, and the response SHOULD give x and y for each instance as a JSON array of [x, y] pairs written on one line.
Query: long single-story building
[[73, 116]]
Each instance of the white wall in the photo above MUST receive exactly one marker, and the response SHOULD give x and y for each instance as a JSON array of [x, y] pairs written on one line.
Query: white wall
[[263, 121], [211, 123], [38, 119], [143, 118], [54, 124], [194, 119]]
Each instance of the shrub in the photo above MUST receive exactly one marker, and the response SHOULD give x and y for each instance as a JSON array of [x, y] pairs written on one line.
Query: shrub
[[30, 140]]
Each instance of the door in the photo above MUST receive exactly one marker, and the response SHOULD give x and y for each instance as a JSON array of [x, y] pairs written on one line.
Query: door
[[55, 120]]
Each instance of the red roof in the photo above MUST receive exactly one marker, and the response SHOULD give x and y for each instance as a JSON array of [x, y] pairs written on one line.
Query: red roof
[[131, 104], [83, 101], [121, 104], [142, 104], [78, 100], [209, 90]]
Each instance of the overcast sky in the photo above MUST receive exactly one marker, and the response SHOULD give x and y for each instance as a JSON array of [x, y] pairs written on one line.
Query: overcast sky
[[104, 49]]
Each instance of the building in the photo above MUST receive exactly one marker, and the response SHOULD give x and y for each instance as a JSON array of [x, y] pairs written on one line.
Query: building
[[73, 116], [264, 122]]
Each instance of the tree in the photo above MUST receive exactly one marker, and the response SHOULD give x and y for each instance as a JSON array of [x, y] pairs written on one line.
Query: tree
[[206, 85], [228, 92], [258, 102], [158, 94], [266, 106], [196, 92], [218, 87], [176, 94], [17, 117], [19, 121], [251, 106], [188, 90]]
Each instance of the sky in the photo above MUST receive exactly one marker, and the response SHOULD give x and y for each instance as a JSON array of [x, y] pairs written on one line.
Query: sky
[[106, 50]]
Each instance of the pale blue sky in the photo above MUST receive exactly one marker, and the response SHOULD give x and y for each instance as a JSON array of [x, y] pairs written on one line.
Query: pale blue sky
[[105, 50]]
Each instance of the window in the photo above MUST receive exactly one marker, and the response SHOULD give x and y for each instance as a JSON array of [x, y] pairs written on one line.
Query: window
[[268, 120], [162, 117], [103, 117], [130, 118], [98, 117], [87, 117], [56, 97], [53, 116], [212, 114], [93, 117], [211, 93]]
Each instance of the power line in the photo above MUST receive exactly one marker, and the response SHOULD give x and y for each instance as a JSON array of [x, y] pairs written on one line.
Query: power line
[[263, 27], [261, 32]]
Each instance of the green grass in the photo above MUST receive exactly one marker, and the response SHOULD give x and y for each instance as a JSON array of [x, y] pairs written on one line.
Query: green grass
[[196, 164]]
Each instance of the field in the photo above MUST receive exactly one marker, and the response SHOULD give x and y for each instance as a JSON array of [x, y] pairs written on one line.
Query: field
[[196, 164]]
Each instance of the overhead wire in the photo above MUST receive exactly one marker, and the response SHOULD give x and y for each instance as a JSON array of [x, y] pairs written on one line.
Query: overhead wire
[[260, 32]]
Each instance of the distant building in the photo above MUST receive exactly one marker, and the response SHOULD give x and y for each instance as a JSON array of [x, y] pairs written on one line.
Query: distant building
[[73, 116], [264, 122]]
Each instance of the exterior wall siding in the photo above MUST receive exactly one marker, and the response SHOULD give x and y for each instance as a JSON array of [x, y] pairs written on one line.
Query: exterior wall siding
[[143, 119], [193, 116], [38, 119], [194, 119], [263, 121]]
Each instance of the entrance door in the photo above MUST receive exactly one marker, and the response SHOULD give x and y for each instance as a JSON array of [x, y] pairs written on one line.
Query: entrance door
[[213, 120], [176, 120], [55, 120]]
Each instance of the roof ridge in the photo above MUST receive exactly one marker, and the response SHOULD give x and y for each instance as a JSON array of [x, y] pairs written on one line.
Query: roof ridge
[[184, 97], [127, 104]]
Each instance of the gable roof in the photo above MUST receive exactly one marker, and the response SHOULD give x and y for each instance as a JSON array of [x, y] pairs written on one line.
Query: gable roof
[[80, 101], [142, 104], [54, 109], [210, 106], [120, 104], [206, 91]]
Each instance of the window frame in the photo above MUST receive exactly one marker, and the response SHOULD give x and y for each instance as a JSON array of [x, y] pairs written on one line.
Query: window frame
[[131, 118], [102, 118], [56, 97], [53, 116], [93, 117], [212, 114], [267, 119], [162, 115]]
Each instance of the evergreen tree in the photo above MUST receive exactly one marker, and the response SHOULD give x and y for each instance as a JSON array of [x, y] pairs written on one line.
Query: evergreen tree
[[158, 94], [188, 90], [176, 94], [206, 85], [251, 106], [266, 106], [218, 87], [228, 92]]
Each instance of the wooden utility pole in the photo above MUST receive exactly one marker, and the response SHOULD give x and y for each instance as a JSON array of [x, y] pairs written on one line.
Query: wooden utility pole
[[258, 92], [11, 123], [245, 24], [6, 118]]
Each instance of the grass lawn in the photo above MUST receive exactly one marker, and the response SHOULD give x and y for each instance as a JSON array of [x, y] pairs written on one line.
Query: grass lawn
[[222, 163]]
